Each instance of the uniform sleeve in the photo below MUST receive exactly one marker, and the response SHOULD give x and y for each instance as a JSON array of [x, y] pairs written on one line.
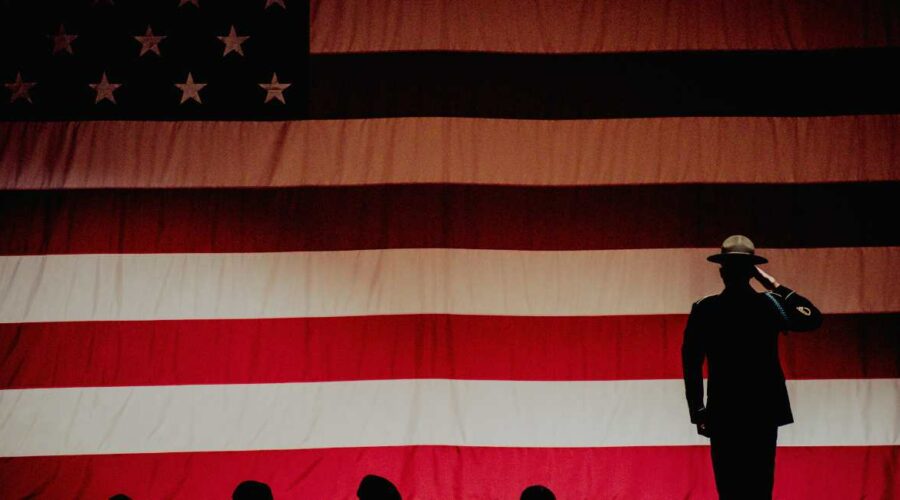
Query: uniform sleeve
[[693, 352], [801, 314]]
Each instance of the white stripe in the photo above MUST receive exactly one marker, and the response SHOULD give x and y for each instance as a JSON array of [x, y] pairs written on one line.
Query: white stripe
[[412, 281], [413, 412], [45, 155]]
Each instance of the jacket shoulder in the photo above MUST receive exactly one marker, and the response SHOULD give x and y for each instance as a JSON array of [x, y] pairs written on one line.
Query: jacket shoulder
[[705, 301]]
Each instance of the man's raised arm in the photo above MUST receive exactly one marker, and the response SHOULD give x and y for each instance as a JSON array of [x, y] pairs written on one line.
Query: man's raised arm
[[800, 314]]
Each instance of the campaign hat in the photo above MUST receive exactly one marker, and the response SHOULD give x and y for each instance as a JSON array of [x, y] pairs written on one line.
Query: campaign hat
[[737, 249]]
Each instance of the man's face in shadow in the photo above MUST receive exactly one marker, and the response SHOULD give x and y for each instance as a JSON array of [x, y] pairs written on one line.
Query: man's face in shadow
[[736, 274]]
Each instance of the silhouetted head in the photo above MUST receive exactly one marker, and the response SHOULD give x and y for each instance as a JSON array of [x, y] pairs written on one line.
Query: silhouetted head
[[377, 488], [736, 274], [120, 496], [252, 490], [537, 492]]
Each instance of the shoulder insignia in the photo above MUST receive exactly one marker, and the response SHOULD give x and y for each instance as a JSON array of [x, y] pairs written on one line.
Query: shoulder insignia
[[804, 311]]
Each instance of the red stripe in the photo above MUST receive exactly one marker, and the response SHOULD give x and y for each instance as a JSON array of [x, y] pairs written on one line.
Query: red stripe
[[616, 26], [433, 472], [412, 346], [444, 216]]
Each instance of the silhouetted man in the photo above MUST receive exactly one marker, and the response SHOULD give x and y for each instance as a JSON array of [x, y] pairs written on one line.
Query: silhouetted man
[[377, 488], [736, 332], [252, 490], [537, 492]]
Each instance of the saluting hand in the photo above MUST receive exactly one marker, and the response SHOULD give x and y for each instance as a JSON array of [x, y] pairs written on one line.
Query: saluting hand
[[765, 279]]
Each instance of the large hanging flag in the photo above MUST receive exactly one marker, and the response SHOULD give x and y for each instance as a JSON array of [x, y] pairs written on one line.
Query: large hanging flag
[[450, 243]]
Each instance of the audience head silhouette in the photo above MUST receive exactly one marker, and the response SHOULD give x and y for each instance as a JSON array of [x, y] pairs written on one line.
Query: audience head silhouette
[[120, 496], [252, 490], [377, 488], [537, 492]]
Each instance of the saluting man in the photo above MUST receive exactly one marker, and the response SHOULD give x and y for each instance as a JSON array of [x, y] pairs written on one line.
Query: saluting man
[[736, 332]]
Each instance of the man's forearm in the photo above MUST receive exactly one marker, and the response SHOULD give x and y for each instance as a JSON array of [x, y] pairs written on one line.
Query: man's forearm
[[802, 314], [694, 395]]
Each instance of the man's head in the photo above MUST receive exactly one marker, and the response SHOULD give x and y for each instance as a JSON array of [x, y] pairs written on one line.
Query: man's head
[[736, 274], [738, 260]]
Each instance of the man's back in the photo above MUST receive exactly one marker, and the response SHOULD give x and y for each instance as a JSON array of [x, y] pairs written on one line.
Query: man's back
[[738, 334]]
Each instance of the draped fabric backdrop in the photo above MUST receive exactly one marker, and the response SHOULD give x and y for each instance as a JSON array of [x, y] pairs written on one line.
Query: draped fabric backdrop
[[464, 263]]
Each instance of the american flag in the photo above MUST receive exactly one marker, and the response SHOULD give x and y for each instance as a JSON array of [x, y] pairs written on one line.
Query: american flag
[[451, 243]]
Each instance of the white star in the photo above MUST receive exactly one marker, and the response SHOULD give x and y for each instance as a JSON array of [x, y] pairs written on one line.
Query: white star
[[275, 90], [62, 41], [105, 89], [190, 90], [19, 89], [195, 3], [149, 41], [270, 3], [233, 42]]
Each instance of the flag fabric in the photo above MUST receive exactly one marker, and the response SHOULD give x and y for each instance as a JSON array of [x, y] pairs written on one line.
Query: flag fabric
[[450, 243]]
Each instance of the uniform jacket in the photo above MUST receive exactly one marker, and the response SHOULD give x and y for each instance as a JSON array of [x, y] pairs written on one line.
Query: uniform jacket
[[736, 332]]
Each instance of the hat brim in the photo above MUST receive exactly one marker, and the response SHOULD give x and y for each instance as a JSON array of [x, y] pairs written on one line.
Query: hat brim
[[736, 257]]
